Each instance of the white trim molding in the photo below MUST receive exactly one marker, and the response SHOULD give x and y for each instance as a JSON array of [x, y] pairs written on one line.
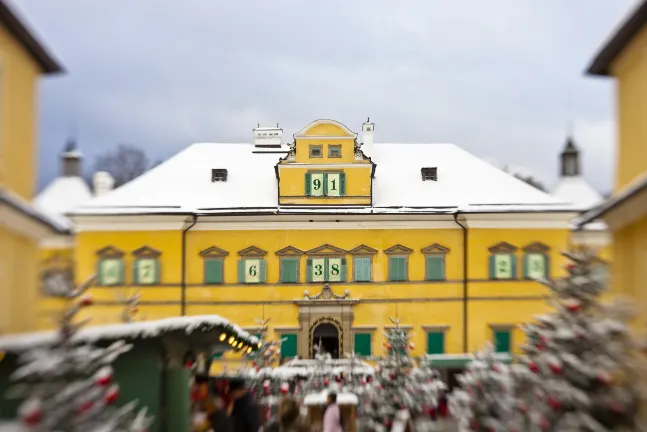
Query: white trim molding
[[514, 220], [285, 165], [58, 242], [435, 328], [130, 223], [302, 133]]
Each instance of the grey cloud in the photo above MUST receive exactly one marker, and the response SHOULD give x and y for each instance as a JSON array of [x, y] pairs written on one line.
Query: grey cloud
[[500, 78]]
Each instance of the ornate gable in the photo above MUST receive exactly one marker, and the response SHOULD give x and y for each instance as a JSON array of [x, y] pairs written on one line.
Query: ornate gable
[[502, 247], [434, 249], [288, 251], [398, 250], [252, 251], [110, 252], [214, 251], [326, 250], [146, 252], [363, 250], [536, 247]]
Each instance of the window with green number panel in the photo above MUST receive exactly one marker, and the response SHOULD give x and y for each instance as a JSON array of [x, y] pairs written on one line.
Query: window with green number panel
[[289, 264], [251, 266], [362, 344], [326, 264], [503, 261], [398, 262], [536, 261], [146, 266], [435, 262], [110, 266], [502, 338], [325, 183], [214, 265]]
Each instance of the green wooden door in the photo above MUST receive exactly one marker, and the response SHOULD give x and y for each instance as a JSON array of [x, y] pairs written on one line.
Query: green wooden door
[[502, 341], [289, 345], [435, 343], [363, 344]]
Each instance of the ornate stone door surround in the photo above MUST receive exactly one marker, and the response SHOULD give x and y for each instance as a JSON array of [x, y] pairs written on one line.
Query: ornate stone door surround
[[326, 306]]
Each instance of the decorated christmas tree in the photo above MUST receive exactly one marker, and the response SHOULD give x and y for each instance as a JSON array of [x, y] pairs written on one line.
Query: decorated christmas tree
[[587, 364], [68, 386], [486, 399], [398, 388]]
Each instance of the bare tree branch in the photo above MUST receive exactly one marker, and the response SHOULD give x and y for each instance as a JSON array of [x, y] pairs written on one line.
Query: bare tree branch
[[124, 163]]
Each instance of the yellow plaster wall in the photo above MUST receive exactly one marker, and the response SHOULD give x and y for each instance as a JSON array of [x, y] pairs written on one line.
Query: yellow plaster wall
[[18, 74], [631, 69], [417, 302], [18, 282], [325, 130]]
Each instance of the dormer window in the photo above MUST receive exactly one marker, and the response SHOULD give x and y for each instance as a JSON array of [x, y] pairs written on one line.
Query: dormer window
[[316, 150], [219, 174], [429, 174]]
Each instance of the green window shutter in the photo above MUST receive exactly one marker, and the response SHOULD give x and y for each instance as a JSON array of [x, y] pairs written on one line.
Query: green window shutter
[[362, 269], [289, 345], [492, 267], [326, 269], [343, 270], [342, 184], [398, 268], [362, 344], [263, 269], [308, 184], [513, 260], [100, 273], [526, 266], [436, 343], [122, 271], [325, 185], [241, 271], [157, 271], [502, 341], [135, 277], [289, 270], [547, 261], [213, 271], [309, 270], [436, 267]]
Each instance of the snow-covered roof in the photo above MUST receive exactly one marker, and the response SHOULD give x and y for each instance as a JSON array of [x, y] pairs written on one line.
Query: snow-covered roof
[[182, 184], [61, 195], [16, 202], [132, 330], [576, 190]]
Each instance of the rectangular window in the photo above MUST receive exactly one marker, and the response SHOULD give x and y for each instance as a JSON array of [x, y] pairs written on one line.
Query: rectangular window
[[435, 267], [362, 269], [213, 271], [289, 345], [503, 266], [436, 342], [146, 271], [397, 269], [325, 184], [316, 150], [289, 270], [535, 266], [326, 270], [362, 344], [251, 271], [111, 271], [334, 151], [502, 341]]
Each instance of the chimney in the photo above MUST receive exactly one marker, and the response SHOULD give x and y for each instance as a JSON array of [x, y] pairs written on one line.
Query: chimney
[[367, 135], [267, 137], [102, 183], [71, 160]]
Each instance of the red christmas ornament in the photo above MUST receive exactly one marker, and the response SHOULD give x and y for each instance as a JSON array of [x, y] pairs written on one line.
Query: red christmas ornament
[[112, 395], [557, 369], [284, 388], [31, 412], [570, 266], [573, 306], [86, 300], [388, 346], [33, 418], [391, 376], [188, 364], [85, 407], [554, 403], [104, 377], [326, 381]]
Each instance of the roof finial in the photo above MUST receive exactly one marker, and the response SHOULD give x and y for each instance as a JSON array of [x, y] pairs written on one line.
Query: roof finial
[[258, 125], [277, 124], [368, 119]]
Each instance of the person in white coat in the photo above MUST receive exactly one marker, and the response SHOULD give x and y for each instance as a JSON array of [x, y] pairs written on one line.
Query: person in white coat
[[332, 421]]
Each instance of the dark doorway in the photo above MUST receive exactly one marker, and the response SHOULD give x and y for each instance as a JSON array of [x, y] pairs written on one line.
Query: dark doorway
[[328, 335]]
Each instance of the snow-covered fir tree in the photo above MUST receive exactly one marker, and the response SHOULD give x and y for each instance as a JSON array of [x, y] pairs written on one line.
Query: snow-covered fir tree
[[398, 387], [486, 398], [587, 364], [68, 386]]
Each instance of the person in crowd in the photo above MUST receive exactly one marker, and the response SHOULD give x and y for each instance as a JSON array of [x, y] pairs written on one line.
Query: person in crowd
[[218, 419], [332, 421], [244, 411], [289, 418]]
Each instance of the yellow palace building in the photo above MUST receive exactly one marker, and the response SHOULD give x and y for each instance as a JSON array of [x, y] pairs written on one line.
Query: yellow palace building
[[329, 236]]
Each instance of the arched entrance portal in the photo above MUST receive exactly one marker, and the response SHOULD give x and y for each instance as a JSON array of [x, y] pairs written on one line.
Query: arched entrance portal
[[328, 335]]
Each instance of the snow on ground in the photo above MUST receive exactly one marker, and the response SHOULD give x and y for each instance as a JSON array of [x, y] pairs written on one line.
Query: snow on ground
[[144, 329]]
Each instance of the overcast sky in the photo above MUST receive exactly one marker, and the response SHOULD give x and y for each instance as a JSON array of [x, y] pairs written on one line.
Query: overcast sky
[[502, 78]]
